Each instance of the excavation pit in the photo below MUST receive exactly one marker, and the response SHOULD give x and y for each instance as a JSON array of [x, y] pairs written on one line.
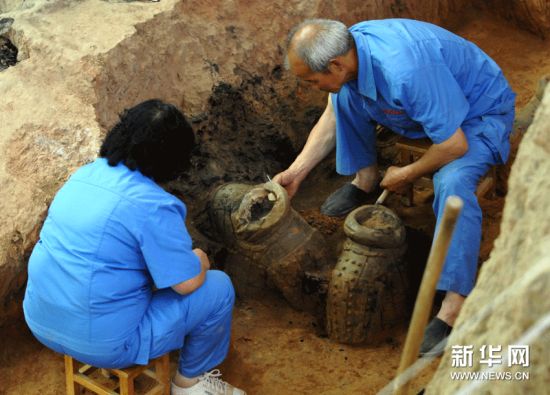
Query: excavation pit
[[251, 126]]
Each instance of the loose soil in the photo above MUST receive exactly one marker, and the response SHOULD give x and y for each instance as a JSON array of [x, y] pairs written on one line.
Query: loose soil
[[275, 349]]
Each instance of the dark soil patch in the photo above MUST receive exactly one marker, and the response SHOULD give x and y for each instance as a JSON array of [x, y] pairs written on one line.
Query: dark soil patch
[[8, 53], [242, 137], [324, 224]]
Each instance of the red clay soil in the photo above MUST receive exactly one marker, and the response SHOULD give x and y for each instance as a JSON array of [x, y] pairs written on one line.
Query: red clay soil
[[275, 350]]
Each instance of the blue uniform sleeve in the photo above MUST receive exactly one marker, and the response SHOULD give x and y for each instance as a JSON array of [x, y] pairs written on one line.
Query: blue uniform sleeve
[[167, 247], [432, 97]]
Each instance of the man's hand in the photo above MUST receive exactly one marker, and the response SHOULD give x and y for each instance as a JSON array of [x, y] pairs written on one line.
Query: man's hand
[[397, 179], [289, 180]]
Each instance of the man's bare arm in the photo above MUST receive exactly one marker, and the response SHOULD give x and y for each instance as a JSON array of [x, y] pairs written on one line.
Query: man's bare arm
[[437, 156], [321, 141]]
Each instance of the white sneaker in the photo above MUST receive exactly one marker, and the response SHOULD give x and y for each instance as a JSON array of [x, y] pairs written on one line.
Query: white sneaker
[[209, 383]]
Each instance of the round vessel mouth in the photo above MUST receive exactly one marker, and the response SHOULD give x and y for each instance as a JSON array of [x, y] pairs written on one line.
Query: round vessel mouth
[[375, 225], [260, 211]]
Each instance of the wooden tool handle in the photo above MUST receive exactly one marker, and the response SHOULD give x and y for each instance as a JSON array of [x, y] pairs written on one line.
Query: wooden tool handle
[[382, 197], [424, 300]]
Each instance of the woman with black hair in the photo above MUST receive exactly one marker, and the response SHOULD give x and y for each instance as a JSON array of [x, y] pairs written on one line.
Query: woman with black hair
[[112, 234]]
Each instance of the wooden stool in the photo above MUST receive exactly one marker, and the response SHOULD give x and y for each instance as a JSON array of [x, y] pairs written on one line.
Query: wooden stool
[[411, 150], [79, 376]]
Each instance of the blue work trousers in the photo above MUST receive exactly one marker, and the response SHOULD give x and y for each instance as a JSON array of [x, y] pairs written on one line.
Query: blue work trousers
[[199, 324], [460, 178]]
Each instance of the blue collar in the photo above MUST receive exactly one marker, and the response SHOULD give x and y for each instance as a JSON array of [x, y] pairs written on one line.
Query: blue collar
[[365, 75]]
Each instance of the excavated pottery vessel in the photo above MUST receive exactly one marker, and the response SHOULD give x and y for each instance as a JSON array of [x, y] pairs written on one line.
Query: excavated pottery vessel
[[258, 222], [367, 290]]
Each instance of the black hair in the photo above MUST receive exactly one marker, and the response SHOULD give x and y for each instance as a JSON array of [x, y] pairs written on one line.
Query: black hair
[[153, 137]]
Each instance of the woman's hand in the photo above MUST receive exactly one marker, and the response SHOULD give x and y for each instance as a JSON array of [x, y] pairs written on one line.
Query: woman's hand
[[205, 262], [186, 287]]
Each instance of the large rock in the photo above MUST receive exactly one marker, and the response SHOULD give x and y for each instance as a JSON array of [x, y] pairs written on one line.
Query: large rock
[[511, 295]]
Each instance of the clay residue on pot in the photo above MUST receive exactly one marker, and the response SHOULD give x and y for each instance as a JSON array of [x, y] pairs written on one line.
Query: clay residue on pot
[[377, 220], [256, 205]]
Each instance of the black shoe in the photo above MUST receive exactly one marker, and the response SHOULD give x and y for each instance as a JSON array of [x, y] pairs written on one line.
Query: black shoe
[[435, 338], [347, 198]]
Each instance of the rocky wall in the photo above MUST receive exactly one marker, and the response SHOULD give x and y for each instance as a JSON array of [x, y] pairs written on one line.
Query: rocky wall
[[201, 45], [511, 295], [532, 15]]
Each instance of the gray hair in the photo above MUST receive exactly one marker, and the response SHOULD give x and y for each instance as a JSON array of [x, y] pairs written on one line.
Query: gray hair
[[328, 40]]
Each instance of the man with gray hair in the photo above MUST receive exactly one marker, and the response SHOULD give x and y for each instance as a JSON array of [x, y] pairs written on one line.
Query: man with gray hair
[[418, 80]]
